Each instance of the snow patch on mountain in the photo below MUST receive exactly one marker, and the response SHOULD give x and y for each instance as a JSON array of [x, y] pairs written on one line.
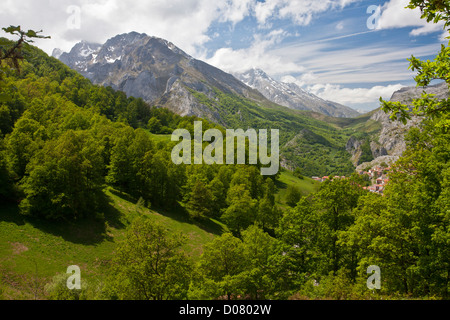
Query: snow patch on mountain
[[291, 95]]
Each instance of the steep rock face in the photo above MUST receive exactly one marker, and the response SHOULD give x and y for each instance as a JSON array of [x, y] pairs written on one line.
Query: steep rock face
[[364, 149], [377, 150], [354, 148], [156, 70], [390, 144], [79, 56], [392, 134], [292, 96], [353, 144]]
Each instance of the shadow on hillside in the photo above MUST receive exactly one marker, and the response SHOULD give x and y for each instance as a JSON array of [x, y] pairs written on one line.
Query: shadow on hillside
[[280, 185], [211, 226], [175, 212], [180, 214], [87, 231], [10, 213], [122, 195]]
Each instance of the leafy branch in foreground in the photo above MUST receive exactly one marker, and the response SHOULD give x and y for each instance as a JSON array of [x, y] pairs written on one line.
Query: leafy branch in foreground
[[433, 10], [11, 53], [427, 71]]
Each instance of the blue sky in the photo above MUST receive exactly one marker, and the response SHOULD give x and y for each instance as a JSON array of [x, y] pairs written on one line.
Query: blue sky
[[330, 47]]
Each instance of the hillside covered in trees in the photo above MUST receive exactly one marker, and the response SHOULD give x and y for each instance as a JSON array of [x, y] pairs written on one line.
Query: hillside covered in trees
[[67, 145]]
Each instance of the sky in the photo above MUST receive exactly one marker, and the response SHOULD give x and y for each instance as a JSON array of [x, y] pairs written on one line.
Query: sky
[[347, 51]]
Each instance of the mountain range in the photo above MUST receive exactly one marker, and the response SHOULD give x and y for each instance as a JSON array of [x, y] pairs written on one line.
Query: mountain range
[[319, 136], [292, 96], [155, 70], [164, 75]]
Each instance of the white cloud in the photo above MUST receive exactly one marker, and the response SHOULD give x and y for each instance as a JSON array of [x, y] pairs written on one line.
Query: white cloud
[[183, 22], [444, 37], [234, 10], [363, 98], [264, 10], [255, 56], [187, 23], [378, 62], [300, 12], [394, 15], [348, 96], [301, 81]]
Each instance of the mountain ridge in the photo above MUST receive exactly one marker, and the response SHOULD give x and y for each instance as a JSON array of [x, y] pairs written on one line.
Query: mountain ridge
[[155, 70], [291, 95], [159, 72]]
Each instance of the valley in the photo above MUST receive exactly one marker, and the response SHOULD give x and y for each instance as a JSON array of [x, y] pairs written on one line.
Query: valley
[[189, 87], [222, 169]]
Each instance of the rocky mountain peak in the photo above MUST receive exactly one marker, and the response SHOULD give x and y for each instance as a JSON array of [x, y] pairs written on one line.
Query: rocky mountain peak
[[291, 95], [156, 70], [57, 53]]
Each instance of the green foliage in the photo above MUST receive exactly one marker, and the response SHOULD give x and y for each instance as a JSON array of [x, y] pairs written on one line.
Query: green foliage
[[200, 201], [57, 289], [312, 228], [336, 287], [258, 248], [62, 139], [432, 10], [298, 173], [236, 269], [154, 125], [241, 210], [407, 233], [64, 178], [11, 54], [293, 196], [318, 150], [268, 214], [148, 265], [219, 266], [366, 152], [6, 186], [427, 71]]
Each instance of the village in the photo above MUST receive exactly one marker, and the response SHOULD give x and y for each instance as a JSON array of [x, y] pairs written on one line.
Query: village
[[378, 176]]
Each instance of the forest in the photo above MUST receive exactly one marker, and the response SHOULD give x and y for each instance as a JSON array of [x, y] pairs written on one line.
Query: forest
[[64, 140]]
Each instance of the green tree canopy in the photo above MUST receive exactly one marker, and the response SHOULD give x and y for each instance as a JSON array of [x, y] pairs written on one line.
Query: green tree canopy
[[149, 265]]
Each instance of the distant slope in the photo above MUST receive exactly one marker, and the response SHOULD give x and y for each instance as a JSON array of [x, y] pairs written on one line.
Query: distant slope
[[386, 138], [321, 154], [292, 96]]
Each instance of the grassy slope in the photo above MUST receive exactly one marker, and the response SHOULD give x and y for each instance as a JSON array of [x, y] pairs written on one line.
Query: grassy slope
[[33, 251], [306, 186]]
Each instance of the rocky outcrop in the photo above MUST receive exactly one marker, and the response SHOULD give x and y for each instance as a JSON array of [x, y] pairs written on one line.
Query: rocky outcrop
[[388, 160], [354, 148], [390, 143], [377, 150], [392, 135]]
